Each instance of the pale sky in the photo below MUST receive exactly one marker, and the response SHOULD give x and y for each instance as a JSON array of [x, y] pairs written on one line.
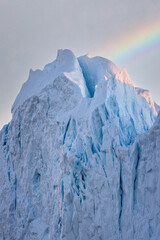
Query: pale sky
[[31, 32]]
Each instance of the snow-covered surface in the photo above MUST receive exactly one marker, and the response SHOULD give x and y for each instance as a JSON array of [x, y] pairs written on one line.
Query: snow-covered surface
[[77, 161], [65, 63]]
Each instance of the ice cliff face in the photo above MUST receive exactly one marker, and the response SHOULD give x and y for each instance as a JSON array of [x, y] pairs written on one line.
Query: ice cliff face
[[72, 166], [140, 187]]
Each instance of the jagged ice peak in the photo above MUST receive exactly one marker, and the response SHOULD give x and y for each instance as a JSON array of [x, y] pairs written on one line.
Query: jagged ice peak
[[85, 71]]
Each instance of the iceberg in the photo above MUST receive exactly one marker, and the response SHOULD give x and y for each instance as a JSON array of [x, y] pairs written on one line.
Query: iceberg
[[80, 158]]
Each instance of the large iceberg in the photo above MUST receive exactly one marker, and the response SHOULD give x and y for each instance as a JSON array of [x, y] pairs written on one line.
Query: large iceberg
[[80, 158]]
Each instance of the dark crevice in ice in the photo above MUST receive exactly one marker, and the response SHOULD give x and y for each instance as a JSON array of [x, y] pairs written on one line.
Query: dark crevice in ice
[[120, 197], [135, 175], [66, 130]]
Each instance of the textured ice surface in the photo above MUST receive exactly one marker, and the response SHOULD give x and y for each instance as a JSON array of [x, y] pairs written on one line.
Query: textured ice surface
[[65, 63], [77, 161], [141, 187]]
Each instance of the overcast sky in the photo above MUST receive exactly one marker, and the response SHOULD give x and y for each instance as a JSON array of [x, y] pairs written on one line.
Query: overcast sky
[[31, 31]]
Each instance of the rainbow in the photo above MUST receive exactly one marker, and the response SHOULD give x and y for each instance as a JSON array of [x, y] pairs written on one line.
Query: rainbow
[[136, 44]]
